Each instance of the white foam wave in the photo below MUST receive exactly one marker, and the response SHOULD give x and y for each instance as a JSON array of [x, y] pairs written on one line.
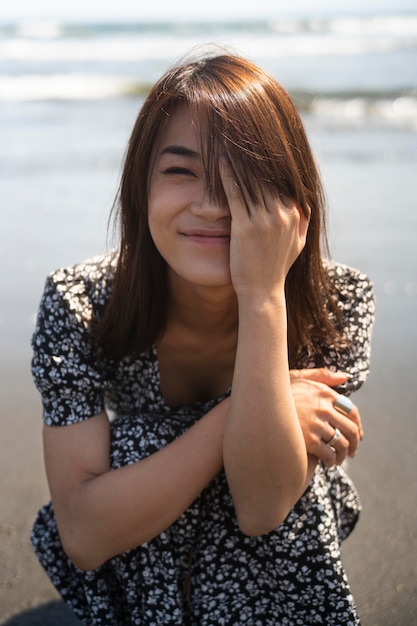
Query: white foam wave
[[62, 87], [101, 49], [39, 30], [400, 112], [377, 25], [146, 47], [386, 25]]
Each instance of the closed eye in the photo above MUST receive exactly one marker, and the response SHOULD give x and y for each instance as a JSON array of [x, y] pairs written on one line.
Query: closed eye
[[179, 170]]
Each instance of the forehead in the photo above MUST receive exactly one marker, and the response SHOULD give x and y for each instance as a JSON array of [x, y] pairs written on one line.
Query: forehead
[[180, 129]]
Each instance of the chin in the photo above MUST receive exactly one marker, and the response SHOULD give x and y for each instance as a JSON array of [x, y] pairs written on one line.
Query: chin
[[204, 278], [211, 282]]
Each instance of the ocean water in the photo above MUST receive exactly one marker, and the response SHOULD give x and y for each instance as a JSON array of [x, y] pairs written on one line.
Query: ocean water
[[69, 93]]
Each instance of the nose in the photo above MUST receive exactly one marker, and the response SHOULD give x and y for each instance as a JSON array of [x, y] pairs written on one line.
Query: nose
[[210, 208]]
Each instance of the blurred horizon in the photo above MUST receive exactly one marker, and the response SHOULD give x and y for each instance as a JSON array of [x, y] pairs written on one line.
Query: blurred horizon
[[188, 10]]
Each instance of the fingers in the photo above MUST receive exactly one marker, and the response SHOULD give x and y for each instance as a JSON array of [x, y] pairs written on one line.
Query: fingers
[[231, 188], [350, 422], [304, 221], [335, 451], [240, 203], [329, 378], [259, 200], [321, 375], [351, 427], [341, 437], [324, 447], [319, 419]]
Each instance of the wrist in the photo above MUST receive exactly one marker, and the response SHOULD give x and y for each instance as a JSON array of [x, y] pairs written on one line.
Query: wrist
[[255, 304]]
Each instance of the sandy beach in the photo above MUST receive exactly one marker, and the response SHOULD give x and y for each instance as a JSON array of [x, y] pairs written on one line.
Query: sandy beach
[[379, 556]]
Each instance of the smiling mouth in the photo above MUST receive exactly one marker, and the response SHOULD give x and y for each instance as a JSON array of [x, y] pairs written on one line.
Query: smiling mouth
[[208, 237], [207, 234]]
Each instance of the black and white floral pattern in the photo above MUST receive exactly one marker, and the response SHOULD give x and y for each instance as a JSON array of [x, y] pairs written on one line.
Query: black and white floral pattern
[[201, 571]]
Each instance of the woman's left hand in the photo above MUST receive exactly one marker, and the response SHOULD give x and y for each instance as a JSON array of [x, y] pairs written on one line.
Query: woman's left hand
[[314, 399], [267, 236]]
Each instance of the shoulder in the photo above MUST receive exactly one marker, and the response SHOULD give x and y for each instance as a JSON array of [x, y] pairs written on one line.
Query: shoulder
[[83, 288], [346, 279], [65, 366], [351, 287], [93, 275], [354, 295]]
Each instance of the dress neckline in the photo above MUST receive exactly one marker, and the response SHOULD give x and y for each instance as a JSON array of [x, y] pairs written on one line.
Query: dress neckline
[[197, 406]]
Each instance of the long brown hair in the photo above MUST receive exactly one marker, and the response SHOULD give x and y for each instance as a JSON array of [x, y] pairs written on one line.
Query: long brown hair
[[248, 115]]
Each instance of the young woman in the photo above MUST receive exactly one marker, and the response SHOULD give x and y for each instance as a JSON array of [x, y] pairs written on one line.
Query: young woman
[[193, 433]]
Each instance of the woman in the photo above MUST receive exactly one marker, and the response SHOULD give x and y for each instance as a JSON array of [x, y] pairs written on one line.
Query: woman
[[194, 478]]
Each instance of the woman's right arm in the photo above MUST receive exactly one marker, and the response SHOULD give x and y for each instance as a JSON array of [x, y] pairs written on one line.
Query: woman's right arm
[[102, 512]]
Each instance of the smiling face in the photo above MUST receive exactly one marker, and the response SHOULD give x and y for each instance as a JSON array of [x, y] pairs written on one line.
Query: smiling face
[[190, 230]]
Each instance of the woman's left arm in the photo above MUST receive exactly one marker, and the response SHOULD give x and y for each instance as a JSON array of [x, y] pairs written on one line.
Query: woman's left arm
[[264, 453]]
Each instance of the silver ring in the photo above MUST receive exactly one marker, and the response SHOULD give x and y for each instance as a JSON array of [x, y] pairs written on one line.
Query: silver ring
[[333, 440], [343, 405]]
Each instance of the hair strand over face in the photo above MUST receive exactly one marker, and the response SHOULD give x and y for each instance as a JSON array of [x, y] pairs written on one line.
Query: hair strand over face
[[243, 112]]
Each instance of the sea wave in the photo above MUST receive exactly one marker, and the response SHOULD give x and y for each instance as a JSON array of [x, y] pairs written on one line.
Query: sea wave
[[71, 86], [394, 108], [141, 48], [399, 112], [54, 60], [56, 41], [364, 25]]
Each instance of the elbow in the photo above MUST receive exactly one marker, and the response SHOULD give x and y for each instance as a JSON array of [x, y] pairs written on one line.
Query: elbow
[[257, 525], [83, 553], [86, 563], [262, 516]]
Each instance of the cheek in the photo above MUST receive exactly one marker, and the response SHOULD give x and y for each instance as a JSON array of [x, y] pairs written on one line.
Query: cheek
[[165, 205], [155, 229], [156, 213], [159, 230], [160, 207]]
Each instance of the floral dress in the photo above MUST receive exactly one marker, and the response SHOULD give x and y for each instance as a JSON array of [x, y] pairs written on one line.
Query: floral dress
[[201, 571]]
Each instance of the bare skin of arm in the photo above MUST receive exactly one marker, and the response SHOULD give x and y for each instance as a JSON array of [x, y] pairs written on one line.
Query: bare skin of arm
[[267, 462], [102, 512], [264, 454]]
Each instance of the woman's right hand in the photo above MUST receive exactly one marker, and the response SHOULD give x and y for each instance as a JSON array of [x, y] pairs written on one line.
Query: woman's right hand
[[314, 399]]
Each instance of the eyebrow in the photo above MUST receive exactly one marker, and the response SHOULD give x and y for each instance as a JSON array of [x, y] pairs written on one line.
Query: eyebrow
[[180, 150]]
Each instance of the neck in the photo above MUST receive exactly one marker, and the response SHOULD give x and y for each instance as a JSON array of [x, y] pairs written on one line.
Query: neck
[[202, 309]]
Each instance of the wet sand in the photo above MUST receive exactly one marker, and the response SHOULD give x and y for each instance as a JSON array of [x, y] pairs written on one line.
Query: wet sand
[[380, 556]]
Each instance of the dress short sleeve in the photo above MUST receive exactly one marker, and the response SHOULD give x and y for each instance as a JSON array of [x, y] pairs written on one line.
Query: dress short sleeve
[[64, 364], [355, 297]]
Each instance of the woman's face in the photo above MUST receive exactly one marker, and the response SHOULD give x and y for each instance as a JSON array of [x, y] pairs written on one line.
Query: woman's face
[[190, 231]]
